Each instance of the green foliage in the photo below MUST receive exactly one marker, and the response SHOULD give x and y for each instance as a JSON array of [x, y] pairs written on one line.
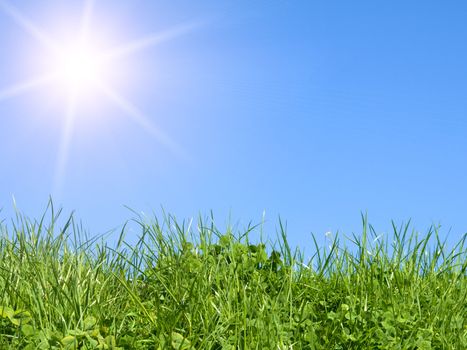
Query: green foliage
[[178, 288]]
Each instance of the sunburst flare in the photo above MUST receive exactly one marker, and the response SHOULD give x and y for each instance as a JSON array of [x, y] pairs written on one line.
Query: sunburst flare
[[83, 67]]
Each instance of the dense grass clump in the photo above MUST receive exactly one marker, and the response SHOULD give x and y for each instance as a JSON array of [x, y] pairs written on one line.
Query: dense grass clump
[[181, 287]]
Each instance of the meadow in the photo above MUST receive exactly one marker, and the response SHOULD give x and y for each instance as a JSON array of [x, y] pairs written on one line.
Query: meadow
[[191, 286]]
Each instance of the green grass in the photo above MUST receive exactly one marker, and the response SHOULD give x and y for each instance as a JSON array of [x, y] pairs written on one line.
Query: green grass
[[192, 287]]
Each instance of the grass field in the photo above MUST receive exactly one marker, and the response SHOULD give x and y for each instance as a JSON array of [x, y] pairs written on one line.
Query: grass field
[[193, 287]]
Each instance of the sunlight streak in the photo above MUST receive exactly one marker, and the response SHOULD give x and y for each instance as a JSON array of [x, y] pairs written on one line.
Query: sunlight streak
[[23, 87], [137, 116], [65, 143], [86, 20], [28, 25], [152, 40]]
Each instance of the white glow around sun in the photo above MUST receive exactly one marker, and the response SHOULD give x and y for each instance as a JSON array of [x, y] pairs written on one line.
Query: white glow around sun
[[79, 68], [82, 67]]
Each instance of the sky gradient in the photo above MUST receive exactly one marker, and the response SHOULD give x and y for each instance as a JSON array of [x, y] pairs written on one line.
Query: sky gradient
[[316, 111]]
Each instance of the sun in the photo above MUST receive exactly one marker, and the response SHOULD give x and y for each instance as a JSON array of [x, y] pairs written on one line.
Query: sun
[[79, 68], [82, 67]]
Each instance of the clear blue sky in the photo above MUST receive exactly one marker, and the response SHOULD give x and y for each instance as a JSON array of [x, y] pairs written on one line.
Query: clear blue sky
[[312, 110]]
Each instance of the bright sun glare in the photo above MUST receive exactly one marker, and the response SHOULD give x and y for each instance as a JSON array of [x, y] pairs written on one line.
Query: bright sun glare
[[79, 68], [82, 67]]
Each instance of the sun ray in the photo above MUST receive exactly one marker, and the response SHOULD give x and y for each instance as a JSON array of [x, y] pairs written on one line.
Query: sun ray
[[28, 25], [24, 87], [148, 41], [65, 143], [137, 116], [86, 19]]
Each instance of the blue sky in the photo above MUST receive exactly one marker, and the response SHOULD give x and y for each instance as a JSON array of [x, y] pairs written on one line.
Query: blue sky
[[312, 110]]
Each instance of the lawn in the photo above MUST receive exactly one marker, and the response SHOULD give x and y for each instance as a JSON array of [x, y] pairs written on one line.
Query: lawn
[[185, 286]]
